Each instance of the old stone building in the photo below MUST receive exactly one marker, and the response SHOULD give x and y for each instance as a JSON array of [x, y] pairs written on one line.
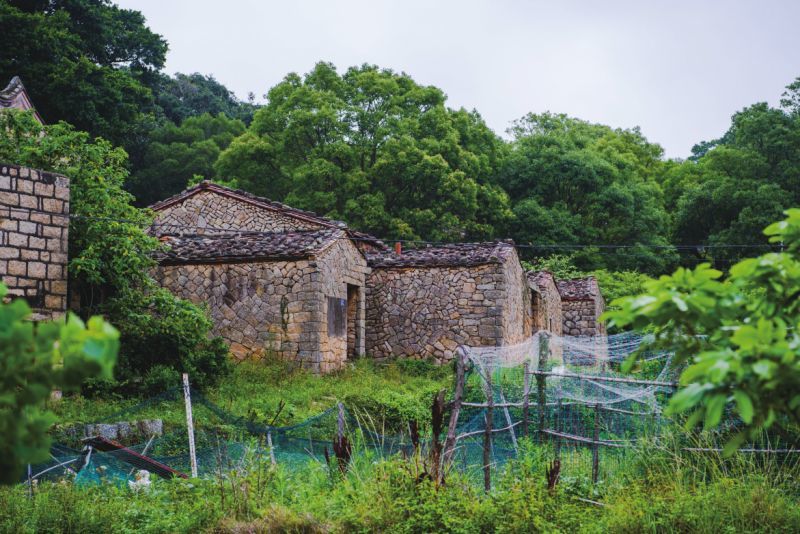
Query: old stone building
[[14, 96], [545, 302], [582, 304], [34, 232], [34, 226], [424, 303], [276, 280]]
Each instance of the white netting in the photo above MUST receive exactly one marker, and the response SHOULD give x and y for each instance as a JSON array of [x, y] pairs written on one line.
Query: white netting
[[585, 370]]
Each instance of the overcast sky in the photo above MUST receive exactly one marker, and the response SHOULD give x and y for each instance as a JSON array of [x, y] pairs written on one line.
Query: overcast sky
[[677, 69]]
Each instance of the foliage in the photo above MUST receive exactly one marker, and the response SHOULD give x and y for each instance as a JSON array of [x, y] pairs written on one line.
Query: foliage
[[740, 337], [110, 251], [88, 62], [163, 336], [375, 148], [574, 183], [176, 154], [733, 186], [190, 95], [34, 360]]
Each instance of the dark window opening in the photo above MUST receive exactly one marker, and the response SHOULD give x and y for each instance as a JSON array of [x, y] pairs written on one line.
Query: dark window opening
[[337, 318]]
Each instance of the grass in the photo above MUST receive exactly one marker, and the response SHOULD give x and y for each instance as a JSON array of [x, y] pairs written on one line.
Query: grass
[[391, 393], [650, 490]]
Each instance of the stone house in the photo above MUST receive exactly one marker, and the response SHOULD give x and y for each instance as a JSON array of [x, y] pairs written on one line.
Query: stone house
[[34, 226], [582, 304], [276, 279], [425, 302], [545, 302], [14, 96]]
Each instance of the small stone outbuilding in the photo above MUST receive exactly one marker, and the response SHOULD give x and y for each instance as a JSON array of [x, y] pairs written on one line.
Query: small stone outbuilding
[[545, 302], [582, 304], [424, 303], [277, 280]]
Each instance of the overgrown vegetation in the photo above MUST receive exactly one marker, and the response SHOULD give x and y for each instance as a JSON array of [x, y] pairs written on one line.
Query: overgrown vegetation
[[110, 255]]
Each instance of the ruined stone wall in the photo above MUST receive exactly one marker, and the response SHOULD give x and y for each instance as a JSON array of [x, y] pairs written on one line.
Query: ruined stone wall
[[259, 308], [339, 265], [582, 317], [548, 315], [423, 312], [34, 226], [206, 210], [515, 301]]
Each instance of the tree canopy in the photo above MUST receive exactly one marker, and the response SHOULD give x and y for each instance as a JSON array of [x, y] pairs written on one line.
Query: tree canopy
[[375, 148]]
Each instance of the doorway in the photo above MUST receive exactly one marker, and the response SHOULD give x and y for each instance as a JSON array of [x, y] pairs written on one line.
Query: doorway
[[353, 331]]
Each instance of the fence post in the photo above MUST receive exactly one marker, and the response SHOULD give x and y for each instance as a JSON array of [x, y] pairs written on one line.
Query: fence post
[[596, 444], [189, 423], [458, 398], [526, 393], [340, 422], [541, 379], [271, 450], [558, 425], [487, 437]]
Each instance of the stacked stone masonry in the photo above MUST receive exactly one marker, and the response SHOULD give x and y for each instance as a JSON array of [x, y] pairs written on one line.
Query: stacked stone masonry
[[34, 227], [277, 300], [428, 311], [305, 288], [582, 305]]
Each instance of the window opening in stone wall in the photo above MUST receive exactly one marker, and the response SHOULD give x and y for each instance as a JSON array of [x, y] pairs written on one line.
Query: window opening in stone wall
[[337, 317]]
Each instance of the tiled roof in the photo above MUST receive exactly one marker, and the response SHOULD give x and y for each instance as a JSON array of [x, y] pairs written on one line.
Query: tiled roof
[[14, 96], [244, 196], [579, 288], [451, 255], [246, 246]]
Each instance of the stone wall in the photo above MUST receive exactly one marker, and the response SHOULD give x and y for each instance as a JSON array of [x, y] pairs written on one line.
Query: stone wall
[[210, 210], [516, 302], [34, 226], [276, 307], [342, 265], [258, 308], [582, 317], [546, 306], [427, 312]]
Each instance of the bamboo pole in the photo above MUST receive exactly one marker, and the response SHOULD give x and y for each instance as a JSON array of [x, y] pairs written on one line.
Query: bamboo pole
[[596, 378], [189, 423], [458, 398], [271, 450], [557, 444]]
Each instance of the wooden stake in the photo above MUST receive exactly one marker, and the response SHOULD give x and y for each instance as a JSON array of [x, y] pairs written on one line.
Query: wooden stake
[[557, 444], [340, 422], [189, 423], [458, 398], [271, 450], [595, 444], [526, 392], [541, 380], [487, 437]]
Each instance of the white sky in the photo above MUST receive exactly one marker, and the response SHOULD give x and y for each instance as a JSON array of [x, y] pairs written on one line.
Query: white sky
[[678, 69]]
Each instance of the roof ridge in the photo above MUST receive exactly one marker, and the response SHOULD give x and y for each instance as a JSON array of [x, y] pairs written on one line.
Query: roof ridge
[[243, 195]]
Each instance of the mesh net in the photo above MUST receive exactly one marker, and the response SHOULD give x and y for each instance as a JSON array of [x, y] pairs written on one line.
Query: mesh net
[[566, 395]]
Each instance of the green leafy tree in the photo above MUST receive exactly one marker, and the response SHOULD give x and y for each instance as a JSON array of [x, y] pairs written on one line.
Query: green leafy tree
[[35, 359], [376, 149], [733, 186], [111, 252], [87, 62], [188, 95], [176, 154], [740, 338], [576, 183]]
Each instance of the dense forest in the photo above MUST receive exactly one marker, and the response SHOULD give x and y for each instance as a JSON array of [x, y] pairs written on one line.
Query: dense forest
[[376, 149]]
